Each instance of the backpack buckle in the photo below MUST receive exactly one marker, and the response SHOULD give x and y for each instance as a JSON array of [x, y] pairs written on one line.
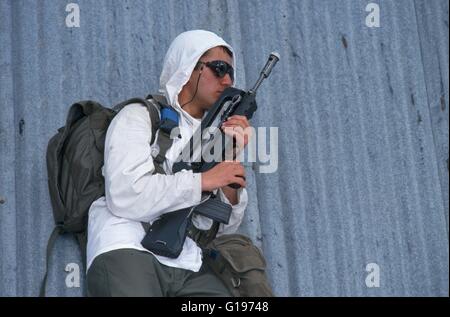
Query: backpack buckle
[[169, 119], [236, 282]]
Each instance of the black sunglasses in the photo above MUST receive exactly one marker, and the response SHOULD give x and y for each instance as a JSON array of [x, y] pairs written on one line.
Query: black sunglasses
[[220, 68]]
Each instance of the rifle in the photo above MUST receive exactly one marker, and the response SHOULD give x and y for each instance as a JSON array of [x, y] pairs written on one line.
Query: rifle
[[231, 102]]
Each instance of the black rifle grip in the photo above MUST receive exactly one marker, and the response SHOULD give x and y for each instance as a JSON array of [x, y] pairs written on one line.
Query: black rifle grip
[[236, 185]]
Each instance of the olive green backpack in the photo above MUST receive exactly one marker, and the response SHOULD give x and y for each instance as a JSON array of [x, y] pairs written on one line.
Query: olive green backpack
[[75, 156]]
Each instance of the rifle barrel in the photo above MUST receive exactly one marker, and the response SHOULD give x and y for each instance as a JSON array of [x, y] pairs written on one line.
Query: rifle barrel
[[273, 59]]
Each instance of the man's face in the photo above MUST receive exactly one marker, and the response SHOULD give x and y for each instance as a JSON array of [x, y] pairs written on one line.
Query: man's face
[[210, 86]]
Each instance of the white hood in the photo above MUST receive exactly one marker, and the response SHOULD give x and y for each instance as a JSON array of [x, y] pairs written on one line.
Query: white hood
[[181, 58]]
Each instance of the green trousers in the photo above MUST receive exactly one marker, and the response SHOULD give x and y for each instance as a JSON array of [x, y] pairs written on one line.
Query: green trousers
[[130, 272]]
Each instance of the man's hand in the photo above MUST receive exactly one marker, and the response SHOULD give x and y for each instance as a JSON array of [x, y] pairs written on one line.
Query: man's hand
[[238, 127], [223, 174]]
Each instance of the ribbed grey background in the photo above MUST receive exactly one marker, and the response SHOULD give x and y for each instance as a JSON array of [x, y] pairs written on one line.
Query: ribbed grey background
[[362, 117]]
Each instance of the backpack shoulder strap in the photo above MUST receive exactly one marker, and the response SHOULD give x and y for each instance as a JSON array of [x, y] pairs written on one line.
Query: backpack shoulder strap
[[158, 98], [153, 110], [158, 110], [51, 242], [167, 122], [155, 104]]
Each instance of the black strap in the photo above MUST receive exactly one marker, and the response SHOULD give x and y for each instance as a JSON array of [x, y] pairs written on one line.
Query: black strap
[[159, 99], [51, 242], [164, 142], [121, 105], [153, 110], [82, 241]]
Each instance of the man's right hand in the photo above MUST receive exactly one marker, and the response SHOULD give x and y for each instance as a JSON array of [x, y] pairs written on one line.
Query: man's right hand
[[223, 174]]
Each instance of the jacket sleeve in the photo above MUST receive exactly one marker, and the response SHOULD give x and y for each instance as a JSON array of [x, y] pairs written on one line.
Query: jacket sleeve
[[131, 189], [237, 214]]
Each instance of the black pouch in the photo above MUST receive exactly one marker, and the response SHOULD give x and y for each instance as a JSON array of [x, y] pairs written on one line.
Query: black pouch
[[166, 235], [215, 209]]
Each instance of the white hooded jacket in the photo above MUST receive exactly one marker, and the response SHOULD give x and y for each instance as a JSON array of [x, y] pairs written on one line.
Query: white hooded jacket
[[132, 193]]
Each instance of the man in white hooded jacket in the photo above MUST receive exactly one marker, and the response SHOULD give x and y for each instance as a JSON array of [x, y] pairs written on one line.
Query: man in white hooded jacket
[[117, 263]]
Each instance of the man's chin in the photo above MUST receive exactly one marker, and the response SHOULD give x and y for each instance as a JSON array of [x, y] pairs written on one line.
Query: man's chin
[[210, 104]]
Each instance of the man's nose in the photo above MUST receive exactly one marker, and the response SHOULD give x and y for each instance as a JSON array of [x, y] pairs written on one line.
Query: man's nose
[[226, 80]]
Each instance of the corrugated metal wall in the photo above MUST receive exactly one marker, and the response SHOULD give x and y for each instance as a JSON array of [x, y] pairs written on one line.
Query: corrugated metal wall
[[363, 130]]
